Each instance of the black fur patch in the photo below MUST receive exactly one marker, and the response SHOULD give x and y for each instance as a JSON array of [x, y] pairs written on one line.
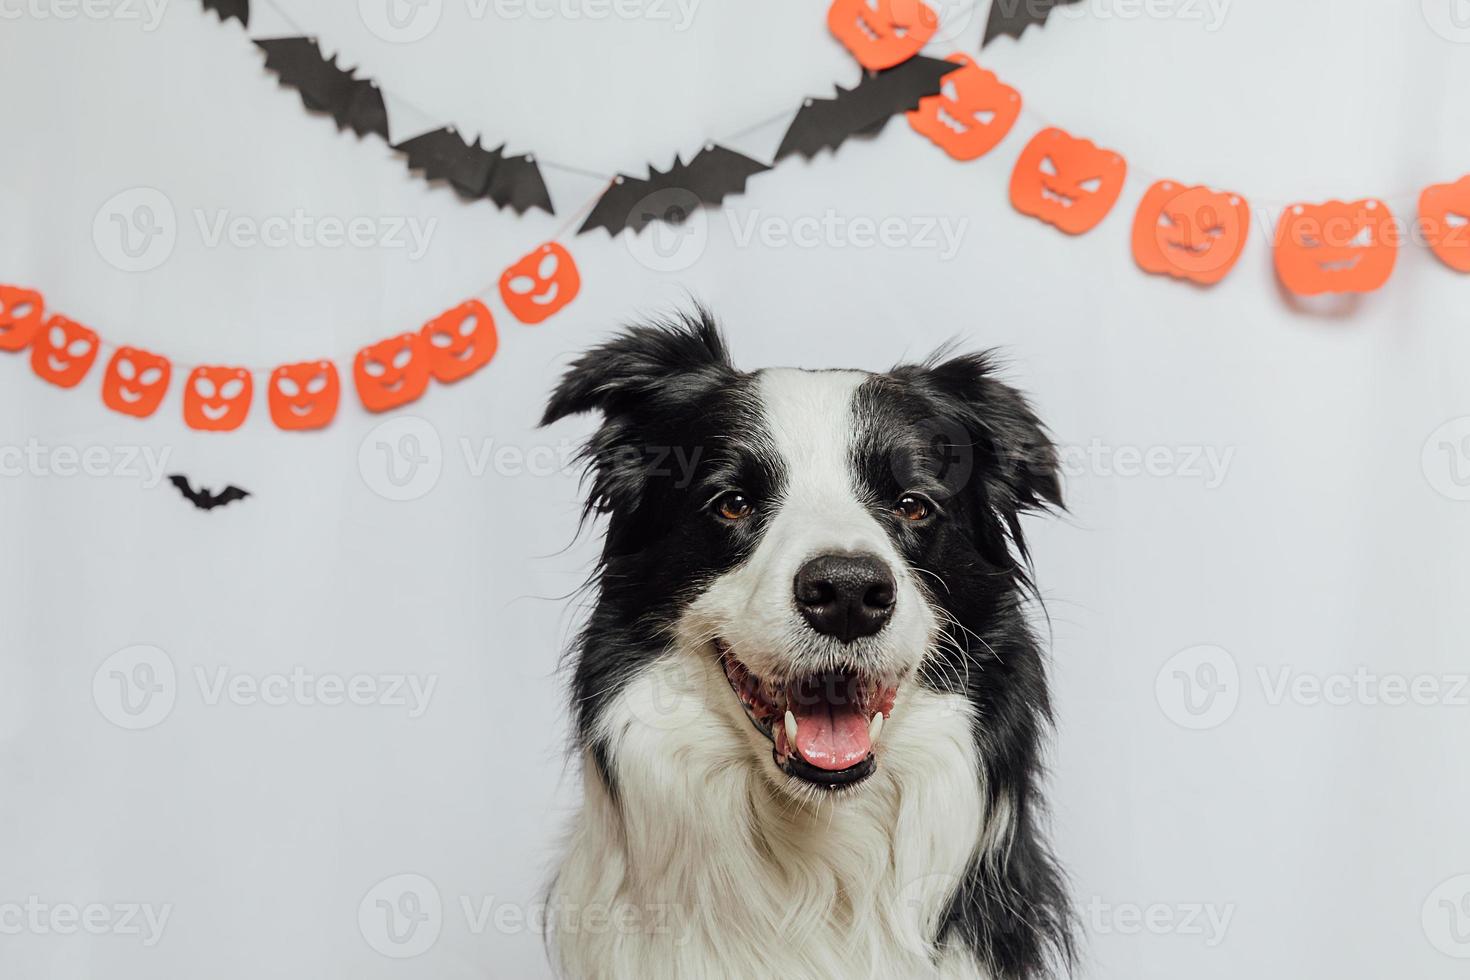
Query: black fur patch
[[971, 443], [680, 425]]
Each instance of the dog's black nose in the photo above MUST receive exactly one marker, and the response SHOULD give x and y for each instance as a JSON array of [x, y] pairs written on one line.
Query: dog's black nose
[[846, 596]]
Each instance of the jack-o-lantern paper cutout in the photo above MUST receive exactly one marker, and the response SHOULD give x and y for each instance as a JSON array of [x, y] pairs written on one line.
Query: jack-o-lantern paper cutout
[[540, 283], [20, 316], [135, 382], [1444, 216], [1066, 181], [1336, 247], [972, 113], [1192, 233], [882, 33], [391, 373], [217, 399], [304, 395], [460, 341], [63, 350]]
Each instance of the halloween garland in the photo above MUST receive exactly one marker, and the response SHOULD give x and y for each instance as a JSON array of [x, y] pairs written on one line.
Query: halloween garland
[[891, 84], [303, 396], [1183, 231]]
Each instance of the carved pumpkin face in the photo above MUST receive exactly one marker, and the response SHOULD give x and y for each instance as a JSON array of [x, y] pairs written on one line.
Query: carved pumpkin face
[[460, 341], [1066, 182], [882, 33], [972, 113], [391, 373], [20, 316], [540, 284], [135, 382], [1190, 232], [63, 351], [217, 399], [1336, 247], [304, 395], [1444, 214]]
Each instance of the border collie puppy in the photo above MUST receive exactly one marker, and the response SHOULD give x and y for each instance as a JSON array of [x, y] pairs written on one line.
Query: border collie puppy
[[808, 704]]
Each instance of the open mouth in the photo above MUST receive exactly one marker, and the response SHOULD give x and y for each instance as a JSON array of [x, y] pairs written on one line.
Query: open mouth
[[1342, 265], [979, 118], [1047, 194], [823, 726]]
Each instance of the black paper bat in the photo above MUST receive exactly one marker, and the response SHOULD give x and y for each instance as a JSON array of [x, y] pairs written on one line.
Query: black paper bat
[[1014, 16], [202, 498], [324, 87], [238, 9], [863, 109], [713, 173], [475, 172]]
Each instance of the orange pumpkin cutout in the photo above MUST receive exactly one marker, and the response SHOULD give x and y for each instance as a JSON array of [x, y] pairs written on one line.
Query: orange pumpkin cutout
[[1336, 247], [1066, 181], [882, 33], [460, 341], [135, 382], [392, 372], [20, 316], [540, 283], [972, 113], [1444, 216], [304, 395], [1190, 233], [217, 399], [63, 351]]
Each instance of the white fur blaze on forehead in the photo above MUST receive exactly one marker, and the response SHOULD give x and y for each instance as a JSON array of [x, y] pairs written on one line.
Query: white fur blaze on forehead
[[809, 419]]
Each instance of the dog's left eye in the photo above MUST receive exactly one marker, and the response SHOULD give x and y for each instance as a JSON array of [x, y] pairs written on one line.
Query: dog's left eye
[[912, 507], [734, 506]]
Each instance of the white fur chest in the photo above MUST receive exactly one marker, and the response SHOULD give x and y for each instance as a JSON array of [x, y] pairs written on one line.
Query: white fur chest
[[704, 868]]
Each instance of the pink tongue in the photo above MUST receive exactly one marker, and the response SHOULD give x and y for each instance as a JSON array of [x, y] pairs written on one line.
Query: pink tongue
[[830, 737]]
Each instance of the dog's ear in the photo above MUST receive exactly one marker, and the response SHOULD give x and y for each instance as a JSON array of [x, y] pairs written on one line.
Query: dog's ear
[[1007, 456], [663, 362], [644, 381]]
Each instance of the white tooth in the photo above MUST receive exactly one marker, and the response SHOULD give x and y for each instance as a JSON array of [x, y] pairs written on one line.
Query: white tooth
[[875, 728], [791, 730]]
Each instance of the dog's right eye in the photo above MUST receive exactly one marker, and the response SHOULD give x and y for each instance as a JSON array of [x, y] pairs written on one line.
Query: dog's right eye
[[734, 506]]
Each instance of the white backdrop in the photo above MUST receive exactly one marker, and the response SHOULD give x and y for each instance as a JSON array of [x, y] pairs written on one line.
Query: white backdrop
[[1263, 500]]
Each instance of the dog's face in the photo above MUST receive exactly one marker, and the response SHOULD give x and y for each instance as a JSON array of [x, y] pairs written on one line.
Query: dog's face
[[820, 541]]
